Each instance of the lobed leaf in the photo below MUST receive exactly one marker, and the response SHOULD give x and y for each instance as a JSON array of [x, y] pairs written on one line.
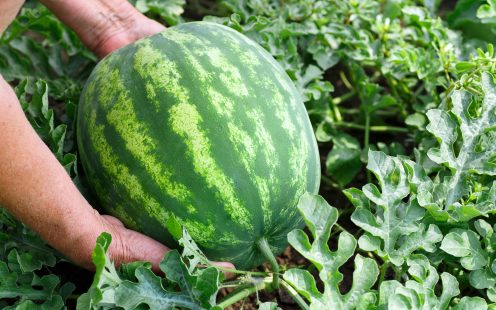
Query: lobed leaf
[[320, 217], [420, 291], [393, 225]]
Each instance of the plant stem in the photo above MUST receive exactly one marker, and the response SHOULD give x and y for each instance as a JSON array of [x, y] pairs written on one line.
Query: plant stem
[[366, 140], [237, 295], [345, 211], [345, 80], [372, 128], [335, 112], [236, 271], [341, 228], [244, 291], [264, 247], [338, 229], [344, 97], [294, 294], [329, 182], [397, 273], [384, 269], [379, 112]]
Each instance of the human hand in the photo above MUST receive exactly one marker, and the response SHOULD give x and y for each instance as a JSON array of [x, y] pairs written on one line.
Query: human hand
[[104, 26], [129, 246]]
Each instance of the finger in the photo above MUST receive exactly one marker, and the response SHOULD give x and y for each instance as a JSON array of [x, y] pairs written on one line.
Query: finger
[[226, 265], [144, 248], [153, 27]]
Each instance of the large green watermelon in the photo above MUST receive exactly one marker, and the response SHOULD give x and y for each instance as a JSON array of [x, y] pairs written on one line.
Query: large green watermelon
[[200, 122]]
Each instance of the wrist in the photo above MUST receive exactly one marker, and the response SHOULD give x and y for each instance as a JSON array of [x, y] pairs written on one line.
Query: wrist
[[77, 234]]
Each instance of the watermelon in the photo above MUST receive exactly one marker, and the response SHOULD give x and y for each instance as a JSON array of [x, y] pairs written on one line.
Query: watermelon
[[201, 124]]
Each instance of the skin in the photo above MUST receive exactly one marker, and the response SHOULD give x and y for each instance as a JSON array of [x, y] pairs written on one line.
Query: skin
[[34, 187]]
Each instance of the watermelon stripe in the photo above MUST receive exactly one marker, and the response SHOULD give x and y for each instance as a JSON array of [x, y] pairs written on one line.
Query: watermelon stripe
[[122, 124], [241, 144], [217, 148], [222, 237], [186, 122], [283, 113], [211, 51], [210, 55], [182, 98], [120, 173]]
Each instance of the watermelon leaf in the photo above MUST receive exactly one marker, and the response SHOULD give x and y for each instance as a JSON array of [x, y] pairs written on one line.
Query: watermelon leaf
[[420, 291], [465, 244], [343, 161], [392, 224], [320, 217], [465, 137], [474, 249], [17, 282], [476, 128], [169, 10]]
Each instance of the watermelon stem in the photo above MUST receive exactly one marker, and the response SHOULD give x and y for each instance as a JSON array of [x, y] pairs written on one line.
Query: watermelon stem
[[264, 248], [243, 291]]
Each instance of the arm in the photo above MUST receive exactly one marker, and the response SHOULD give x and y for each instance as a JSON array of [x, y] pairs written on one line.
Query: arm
[[34, 187]]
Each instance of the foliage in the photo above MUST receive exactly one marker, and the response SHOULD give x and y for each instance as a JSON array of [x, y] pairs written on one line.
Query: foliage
[[24, 260], [405, 89], [393, 227], [59, 58]]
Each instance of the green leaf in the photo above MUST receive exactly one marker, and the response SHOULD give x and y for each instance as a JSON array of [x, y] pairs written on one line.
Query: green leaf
[[420, 291], [320, 217], [386, 217], [471, 303], [487, 11], [464, 17], [475, 254], [169, 10], [343, 161], [50, 52], [201, 287], [417, 120], [149, 291], [466, 245], [27, 286], [472, 158]]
